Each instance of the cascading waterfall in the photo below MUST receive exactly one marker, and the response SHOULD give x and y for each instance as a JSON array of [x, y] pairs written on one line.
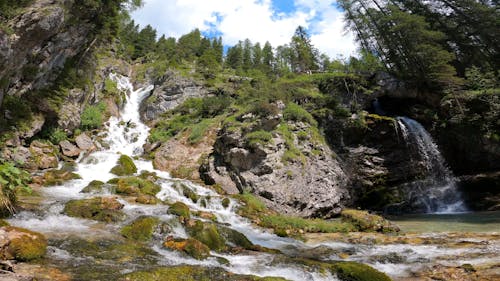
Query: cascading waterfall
[[438, 192], [126, 135]]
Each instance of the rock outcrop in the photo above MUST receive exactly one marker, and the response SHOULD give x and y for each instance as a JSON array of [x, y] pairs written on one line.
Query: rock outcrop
[[169, 92], [309, 184]]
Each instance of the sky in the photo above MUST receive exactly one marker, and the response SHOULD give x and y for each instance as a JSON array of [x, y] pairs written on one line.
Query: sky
[[258, 20]]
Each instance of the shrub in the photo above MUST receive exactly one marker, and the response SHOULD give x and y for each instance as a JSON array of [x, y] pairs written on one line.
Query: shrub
[[11, 179], [56, 135], [213, 106], [92, 116], [258, 137], [294, 112], [264, 109]]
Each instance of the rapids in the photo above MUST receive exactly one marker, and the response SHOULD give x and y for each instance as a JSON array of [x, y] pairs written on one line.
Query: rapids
[[89, 251]]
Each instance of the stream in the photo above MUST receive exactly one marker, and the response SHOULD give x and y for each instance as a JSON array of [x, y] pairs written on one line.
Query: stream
[[92, 250]]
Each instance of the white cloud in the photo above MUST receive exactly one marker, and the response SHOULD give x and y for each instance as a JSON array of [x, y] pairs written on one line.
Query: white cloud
[[253, 19]]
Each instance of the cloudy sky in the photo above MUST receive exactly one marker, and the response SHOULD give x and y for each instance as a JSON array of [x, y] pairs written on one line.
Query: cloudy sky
[[259, 20]]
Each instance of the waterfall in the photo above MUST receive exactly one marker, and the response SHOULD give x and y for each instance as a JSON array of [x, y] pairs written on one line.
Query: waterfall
[[438, 192]]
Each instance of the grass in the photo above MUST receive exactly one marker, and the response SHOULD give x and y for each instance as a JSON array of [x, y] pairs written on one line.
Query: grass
[[92, 116], [258, 138]]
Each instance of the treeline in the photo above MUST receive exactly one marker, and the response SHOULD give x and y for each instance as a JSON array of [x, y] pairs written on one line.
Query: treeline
[[433, 44]]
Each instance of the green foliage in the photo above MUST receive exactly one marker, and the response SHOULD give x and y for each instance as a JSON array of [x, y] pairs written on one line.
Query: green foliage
[[353, 271], [11, 180], [479, 80], [198, 130], [294, 112], [141, 229], [92, 116], [56, 135], [258, 137], [10, 8]]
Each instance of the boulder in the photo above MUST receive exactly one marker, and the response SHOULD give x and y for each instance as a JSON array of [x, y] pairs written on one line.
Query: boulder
[[106, 209], [124, 167], [179, 209], [140, 229], [207, 233], [135, 186], [94, 186], [190, 246], [69, 149], [84, 142], [57, 177], [44, 155], [21, 244]]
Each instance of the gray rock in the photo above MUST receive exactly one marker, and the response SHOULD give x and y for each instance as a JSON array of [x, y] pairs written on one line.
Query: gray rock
[[44, 155], [69, 149], [84, 142]]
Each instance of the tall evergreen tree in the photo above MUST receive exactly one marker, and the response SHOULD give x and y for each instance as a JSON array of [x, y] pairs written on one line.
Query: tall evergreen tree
[[304, 55]]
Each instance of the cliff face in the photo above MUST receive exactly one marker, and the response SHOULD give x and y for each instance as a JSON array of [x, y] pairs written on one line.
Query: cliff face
[[38, 43]]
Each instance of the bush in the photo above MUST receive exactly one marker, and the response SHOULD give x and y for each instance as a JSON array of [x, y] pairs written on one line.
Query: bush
[[11, 179], [56, 135], [264, 109], [213, 106], [92, 116], [294, 112], [258, 137]]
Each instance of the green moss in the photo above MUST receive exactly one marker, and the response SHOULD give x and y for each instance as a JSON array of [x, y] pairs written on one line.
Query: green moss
[[294, 112], [179, 209], [125, 166], [93, 186], [365, 221], [192, 273], [190, 246], [98, 208], [141, 229], [258, 138], [28, 245], [208, 234], [225, 202], [3, 223], [147, 199], [187, 192], [135, 186], [58, 177], [353, 271], [236, 238]]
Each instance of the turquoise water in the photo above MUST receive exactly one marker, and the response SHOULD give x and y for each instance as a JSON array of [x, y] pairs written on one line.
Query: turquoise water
[[455, 222]]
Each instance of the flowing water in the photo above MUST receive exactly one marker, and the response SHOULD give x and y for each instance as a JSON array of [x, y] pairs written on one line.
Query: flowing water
[[92, 250], [438, 192]]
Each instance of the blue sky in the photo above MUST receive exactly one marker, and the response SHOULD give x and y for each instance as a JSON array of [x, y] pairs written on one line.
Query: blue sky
[[259, 20]]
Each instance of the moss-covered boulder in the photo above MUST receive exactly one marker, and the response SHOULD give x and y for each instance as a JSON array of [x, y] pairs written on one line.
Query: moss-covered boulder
[[235, 238], [147, 199], [207, 233], [365, 221], [93, 187], [190, 246], [58, 177], [225, 202], [354, 271], [187, 192], [22, 244], [106, 209], [192, 273], [179, 209], [124, 167], [141, 229], [135, 186]]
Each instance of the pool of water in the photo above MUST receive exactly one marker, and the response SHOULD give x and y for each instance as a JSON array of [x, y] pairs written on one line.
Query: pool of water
[[454, 222]]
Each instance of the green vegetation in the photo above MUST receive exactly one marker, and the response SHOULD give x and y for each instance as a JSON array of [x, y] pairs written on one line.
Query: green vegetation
[[94, 186], [11, 180], [135, 186], [10, 8], [141, 229], [92, 116], [26, 245], [125, 166], [179, 209], [208, 234], [258, 137]]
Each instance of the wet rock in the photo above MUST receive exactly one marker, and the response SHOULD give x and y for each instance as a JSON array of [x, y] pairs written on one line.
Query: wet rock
[[179, 209], [69, 149], [482, 191], [34, 127], [140, 229], [190, 246], [124, 167], [84, 142], [94, 186], [57, 177], [21, 244], [106, 209], [135, 186], [207, 233], [235, 238], [365, 221], [147, 199]]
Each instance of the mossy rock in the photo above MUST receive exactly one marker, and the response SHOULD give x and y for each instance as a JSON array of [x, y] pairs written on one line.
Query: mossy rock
[[354, 271], [58, 177], [190, 246], [93, 187], [188, 192], [179, 209], [147, 199], [226, 202], [124, 167], [235, 238], [106, 209], [25, 245], [141, 229], [3, 223], [365, 221], [135, 186], [192, 273], [206, 233], [151, 176]]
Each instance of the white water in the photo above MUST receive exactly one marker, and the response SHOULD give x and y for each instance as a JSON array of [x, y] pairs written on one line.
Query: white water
[[438, 192], [124, 138]]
